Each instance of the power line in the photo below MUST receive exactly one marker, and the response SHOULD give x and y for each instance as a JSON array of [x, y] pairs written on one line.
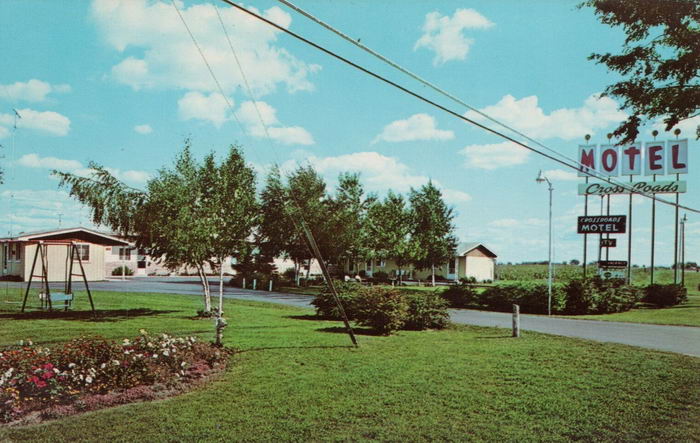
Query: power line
[[447, 110]]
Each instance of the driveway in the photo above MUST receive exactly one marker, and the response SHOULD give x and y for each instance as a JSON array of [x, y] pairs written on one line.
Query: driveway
[[678, 339]]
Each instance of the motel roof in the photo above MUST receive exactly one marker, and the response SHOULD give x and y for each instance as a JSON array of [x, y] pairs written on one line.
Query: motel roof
[[79, 233]]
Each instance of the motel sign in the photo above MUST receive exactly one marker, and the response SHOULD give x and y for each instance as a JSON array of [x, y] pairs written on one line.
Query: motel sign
[[650, 158]]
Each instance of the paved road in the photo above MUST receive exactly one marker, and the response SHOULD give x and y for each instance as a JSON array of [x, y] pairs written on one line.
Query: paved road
[[678, 339]]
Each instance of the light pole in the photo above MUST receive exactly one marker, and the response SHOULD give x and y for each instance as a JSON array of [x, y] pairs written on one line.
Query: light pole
[[683, 221], [541, 178]]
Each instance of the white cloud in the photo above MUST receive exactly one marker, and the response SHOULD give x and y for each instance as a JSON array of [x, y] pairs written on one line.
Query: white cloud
[[32, 91], [4, 132], [162, 55], [289, 135], [35, 161], [34, 210], [528, 117], [445, 35], [494, 156], [73, 166], [415, 127], [561, 175], [143, 129], [511, 222], [378, 173], [688, 127], [44, 121], [198, 106]]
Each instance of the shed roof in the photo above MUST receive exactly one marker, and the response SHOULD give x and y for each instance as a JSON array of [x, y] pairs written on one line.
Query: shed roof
[[465, 247]]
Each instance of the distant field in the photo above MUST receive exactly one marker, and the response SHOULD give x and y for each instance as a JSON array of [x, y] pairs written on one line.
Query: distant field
[[640, 276]]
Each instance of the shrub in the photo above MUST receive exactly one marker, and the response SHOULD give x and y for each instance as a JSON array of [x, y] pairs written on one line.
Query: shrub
[[347, 293], [383, 309], [426, 311], [597, 296], [532, 297], [465, 280], [665, 295], [118, 271], [460, 296]]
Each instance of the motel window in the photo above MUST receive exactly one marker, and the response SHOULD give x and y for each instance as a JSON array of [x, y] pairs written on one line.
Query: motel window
[[15, 252], [83, 251], [124, 253], [368, 265], [453, 265], [5, 253], [382, 263]]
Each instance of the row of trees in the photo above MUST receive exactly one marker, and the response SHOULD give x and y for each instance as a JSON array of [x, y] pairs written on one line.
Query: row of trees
[[351, 225], [197, 213]]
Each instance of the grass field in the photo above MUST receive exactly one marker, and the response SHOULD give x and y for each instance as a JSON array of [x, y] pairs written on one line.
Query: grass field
[[297, 379]]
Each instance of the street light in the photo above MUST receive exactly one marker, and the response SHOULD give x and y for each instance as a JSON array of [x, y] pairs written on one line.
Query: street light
[[541, 178]]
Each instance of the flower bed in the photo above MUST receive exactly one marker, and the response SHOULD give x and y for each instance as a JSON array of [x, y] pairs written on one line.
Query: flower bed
[[89, 369]]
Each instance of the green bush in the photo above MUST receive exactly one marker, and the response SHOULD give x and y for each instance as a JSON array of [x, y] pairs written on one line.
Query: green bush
[[383, 309], [347, 293], [665, 295], [118, 271], [461, 296], [426, 311], [597, 296], [532, 297]]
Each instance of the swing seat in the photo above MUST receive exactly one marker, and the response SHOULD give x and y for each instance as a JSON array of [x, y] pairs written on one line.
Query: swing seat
[[61, 296]]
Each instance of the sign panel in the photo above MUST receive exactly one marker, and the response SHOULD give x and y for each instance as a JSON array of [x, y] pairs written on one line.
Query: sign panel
[[609, 161], [631, 159], [608, 242], [677, 157], [612, 264], [587, 158], [657, 187], [602, 224], [654, 154], [607, 274]]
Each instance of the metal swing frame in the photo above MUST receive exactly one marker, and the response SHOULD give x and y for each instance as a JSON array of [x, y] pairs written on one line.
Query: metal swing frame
[[45, 292]]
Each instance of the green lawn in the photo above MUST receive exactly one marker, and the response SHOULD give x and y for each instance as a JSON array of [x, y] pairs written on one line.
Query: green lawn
[[297, 379]]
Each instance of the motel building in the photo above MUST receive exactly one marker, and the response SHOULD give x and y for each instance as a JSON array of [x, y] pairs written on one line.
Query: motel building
[[471, 260], [17, 253]]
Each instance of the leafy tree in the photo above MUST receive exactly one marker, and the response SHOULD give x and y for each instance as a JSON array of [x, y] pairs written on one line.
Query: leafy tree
[[188, 214], [273, 232], [660, 60], [574, 262], [389, 227], [348, 215], [307, 201], [433, 229], [231, 208]]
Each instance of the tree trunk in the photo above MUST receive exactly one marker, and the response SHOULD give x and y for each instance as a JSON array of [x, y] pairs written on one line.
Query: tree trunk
[[308, 271], [221, 287], [433, 275], [297, 268], [205, 288]]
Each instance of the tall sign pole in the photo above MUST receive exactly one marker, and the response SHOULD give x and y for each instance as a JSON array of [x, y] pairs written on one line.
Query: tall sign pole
[[585, 212], [677, 132], [654, 133], [629, 239]]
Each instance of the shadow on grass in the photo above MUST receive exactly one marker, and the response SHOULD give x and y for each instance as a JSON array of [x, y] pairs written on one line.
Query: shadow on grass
[[272, 348], [494, 336], [357, 331], [102, 314], [310, 317]]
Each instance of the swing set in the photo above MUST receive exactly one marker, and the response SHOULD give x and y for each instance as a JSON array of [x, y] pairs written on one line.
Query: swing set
[[47, 298]]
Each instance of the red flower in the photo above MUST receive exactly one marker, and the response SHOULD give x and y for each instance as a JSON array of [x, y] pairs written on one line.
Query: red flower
[[47, 375], [48, 366], [40, 384]]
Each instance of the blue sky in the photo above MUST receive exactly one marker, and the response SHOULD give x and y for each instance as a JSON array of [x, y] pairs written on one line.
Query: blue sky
[[121, 83]]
